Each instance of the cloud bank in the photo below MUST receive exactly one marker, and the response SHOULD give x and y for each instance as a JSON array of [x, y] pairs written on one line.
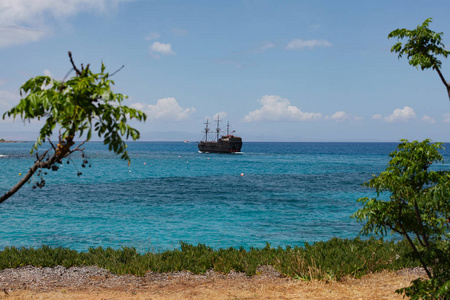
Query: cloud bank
[[166, 109], [275, 108], [25, 21], [339, 116], [428, 119]]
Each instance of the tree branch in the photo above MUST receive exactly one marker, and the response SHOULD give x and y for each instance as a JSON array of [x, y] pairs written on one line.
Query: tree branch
[[73, 64], [447, 85], [37, 165], [411, 243], [77, 148], [123, 66], [419, 220]]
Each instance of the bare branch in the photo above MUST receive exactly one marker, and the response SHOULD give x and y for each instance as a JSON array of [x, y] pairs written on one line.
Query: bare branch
[[77, 148], [117, 71], [73, 64], [53, 146]]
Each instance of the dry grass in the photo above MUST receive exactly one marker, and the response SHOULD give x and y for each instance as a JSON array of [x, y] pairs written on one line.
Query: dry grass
[[235, 286]]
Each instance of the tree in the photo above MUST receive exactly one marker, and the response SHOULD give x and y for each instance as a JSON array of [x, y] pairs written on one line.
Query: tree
[[78, 106], [422, 48], [418, 209]]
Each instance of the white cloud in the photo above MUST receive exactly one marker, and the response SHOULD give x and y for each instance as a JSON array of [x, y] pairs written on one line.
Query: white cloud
[[15, 35], [152, 36], [428, 119], [24, 21], [377, 117], [340, 116], [161, 48], [299, 44], [222, 115], [401, 115], [263, 47], [166, 109], [275, 108], [446, 118]]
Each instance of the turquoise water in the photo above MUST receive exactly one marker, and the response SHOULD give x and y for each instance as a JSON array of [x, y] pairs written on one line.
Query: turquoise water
[[290, 193]]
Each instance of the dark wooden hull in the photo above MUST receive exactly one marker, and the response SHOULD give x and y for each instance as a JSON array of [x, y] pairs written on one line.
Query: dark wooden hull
[[230, 145]]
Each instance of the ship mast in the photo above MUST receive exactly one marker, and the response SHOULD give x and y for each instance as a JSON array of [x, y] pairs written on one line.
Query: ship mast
[[217, 129], [206, 130], [228, 128]]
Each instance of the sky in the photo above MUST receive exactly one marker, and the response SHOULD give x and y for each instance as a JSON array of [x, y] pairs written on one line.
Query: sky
[[294, 71]]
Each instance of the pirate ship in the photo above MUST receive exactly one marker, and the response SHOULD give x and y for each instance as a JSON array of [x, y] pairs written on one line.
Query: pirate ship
[[228, 143]]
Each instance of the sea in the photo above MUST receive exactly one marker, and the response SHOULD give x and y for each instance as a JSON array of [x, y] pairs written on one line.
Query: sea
[[277, 193]]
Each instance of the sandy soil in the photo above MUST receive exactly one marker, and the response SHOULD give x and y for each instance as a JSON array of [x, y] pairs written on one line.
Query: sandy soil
[[96, 283]]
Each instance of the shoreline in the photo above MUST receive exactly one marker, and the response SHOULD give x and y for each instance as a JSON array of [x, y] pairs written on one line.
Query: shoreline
[[10, 142]]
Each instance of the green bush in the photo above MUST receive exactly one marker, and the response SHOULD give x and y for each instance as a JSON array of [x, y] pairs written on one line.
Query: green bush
[[330, 260]]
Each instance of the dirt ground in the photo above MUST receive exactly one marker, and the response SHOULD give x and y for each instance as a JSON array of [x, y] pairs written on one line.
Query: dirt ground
[[96, 283]]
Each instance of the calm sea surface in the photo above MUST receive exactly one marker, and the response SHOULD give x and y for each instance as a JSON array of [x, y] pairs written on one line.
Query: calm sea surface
[[290, 193]]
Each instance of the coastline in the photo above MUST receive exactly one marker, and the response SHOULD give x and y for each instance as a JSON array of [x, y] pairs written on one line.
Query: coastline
[[5, 141]]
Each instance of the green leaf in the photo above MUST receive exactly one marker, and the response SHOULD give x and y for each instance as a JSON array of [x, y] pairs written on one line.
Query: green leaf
[[72, 105]]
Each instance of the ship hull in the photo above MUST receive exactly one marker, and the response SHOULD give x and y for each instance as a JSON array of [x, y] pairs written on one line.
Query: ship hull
[[222, 146]]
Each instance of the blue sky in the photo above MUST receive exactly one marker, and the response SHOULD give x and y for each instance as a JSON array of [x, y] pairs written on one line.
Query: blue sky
[[277, 70]]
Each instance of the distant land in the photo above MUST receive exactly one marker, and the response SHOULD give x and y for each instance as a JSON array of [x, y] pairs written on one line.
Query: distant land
[[5, 141]]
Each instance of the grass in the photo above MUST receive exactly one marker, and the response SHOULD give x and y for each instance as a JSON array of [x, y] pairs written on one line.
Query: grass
[[330, 260]]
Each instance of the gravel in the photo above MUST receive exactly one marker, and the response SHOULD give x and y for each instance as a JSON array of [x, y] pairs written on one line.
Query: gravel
[[47, 279]]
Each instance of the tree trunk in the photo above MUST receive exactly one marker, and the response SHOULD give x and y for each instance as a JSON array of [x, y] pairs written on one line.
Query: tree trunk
[[447, 85]]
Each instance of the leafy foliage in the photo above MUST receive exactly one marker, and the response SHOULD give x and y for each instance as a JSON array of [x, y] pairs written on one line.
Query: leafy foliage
[[423, 46], [85, 102], [418, 208]]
